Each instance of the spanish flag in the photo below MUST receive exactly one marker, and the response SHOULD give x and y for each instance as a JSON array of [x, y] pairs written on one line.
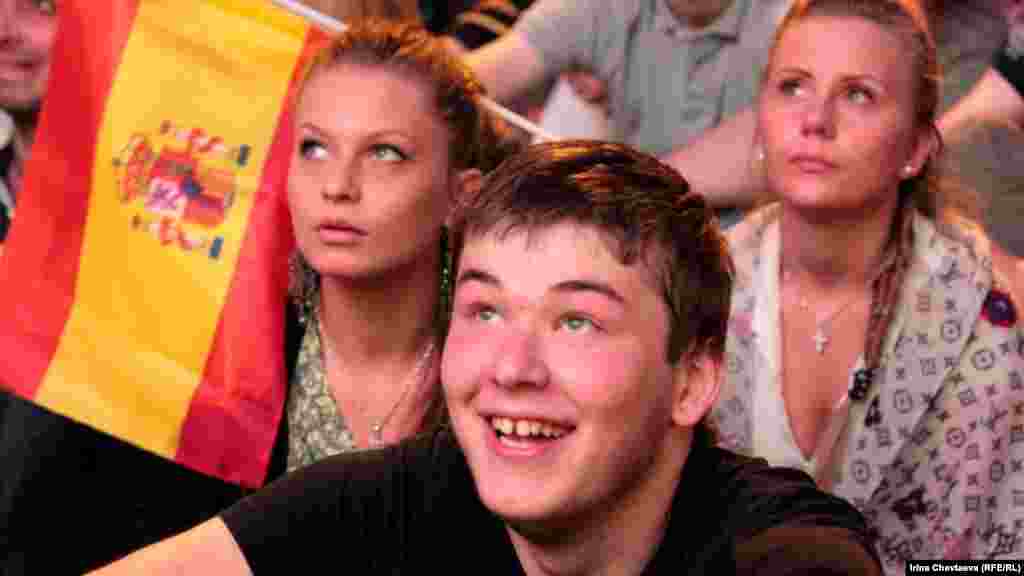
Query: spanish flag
[[143, 284]]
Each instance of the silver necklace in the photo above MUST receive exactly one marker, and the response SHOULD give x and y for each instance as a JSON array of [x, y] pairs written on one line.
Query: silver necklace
[[821, 338], [376, 437], [377, 430]]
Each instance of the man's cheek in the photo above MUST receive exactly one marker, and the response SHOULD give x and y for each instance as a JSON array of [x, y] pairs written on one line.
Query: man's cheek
[[462, 358]]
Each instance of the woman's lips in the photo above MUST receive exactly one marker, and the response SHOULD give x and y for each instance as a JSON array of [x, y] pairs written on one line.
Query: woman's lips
[[339, 233], [812, 164]]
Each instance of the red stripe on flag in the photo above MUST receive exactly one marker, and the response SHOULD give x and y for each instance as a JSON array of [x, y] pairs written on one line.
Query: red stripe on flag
[[37, 278], [234, 416]]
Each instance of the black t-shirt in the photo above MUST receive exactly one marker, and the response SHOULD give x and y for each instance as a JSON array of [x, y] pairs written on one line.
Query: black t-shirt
[[1010, 64], [414, 509], [73, 499]]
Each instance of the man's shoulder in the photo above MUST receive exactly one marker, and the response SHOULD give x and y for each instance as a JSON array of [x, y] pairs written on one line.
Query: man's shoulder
[[758, 496], [777, 519]]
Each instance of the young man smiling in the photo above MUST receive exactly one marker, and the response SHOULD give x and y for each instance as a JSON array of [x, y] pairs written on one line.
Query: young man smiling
[[583, 355]]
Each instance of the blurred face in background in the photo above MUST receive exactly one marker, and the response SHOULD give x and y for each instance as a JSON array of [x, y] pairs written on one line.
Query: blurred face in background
[[27, 29]]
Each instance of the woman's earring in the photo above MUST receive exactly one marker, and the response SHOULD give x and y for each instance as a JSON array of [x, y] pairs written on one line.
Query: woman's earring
[[759, 154], [446, 270], [908, 170], [303, 283]]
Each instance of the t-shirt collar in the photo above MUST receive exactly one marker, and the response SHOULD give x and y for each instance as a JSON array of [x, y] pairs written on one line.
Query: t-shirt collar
[[726, 26]]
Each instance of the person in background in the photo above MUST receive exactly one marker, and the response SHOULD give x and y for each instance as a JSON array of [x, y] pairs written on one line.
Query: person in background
[[388, 130], [985, 137], [472, 24], [27, 29], [871, 343], [999, 94], [670, 70], [468, 26], [721, 162], [584, 351]]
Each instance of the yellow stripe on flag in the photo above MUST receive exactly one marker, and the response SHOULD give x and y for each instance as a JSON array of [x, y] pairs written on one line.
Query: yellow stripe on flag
[[156, 261]]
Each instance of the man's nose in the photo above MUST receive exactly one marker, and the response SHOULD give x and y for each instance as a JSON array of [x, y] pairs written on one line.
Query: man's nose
[[519, 361]]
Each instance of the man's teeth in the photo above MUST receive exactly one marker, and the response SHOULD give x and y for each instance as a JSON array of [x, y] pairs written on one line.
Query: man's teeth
[[508, 426]]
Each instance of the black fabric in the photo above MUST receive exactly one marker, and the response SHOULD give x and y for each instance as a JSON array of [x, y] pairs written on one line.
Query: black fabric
[[472, 23], [73, 498], [485, 23], [6, 160], [413, 508], [5, 222], [437, 15], [1011, 67]]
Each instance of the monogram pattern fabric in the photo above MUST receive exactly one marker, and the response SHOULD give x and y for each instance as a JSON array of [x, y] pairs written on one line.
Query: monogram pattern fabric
[[934, 453]]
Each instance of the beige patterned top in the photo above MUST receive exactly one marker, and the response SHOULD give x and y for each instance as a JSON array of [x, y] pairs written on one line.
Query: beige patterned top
[[316, 428]]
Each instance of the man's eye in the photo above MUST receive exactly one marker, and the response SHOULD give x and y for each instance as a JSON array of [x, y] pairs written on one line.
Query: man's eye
[[312, 149], [487, 314], [577, 323], [482, 312], [388, 153]]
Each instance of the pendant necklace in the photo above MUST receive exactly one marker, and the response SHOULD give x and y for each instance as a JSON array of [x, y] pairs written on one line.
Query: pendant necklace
[[376, 436], [377, 429], [821, 337]]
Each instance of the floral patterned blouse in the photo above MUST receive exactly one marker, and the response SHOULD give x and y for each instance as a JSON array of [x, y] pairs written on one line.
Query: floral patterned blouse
[[316, 428]]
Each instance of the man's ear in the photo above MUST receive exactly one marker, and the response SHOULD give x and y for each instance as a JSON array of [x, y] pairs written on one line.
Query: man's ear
[[465, 183], [697, 382]]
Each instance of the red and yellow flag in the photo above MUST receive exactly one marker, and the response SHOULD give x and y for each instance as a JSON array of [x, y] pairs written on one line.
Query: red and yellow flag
[[143, 284]]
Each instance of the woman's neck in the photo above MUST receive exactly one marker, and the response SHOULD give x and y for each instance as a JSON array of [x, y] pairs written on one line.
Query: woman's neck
[[834, 251], [387, 318]]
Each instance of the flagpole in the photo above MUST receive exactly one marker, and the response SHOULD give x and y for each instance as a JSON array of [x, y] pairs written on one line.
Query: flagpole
[[334, 25]]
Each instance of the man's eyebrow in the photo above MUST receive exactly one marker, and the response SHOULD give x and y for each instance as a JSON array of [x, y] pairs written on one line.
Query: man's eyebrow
[[477, 275], [590, 286], [568, 286]]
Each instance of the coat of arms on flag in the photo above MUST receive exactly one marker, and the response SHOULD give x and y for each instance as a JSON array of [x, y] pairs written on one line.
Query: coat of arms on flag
[[181, 183]]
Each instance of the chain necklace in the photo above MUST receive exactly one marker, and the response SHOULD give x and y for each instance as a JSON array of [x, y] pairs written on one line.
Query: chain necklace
[[376, 437], [821, 337], [377, 430]]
